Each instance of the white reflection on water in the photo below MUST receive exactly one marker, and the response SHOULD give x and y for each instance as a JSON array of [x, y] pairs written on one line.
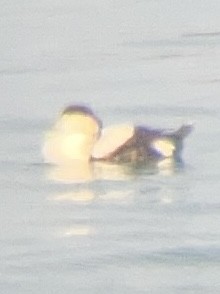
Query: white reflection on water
[[81, 171], [109, 171], [167, 196], [87, 172], [83, 196], [77, 230], [119, 196], [121, 191], [167, 166]]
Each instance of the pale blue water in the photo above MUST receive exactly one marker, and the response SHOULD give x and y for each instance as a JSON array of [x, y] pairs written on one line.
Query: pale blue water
[[144, 231]]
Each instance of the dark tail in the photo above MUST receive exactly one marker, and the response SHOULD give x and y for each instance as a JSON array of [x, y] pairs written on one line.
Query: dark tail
[[183, 131], [178, 137]]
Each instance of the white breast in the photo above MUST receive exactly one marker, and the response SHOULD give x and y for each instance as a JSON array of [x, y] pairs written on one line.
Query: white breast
[[60, 148]]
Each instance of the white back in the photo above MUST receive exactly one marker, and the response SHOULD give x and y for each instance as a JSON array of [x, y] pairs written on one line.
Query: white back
[[112, 138]]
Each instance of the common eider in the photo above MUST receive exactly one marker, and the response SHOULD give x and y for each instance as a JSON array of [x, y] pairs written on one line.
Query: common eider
[[78, 135]]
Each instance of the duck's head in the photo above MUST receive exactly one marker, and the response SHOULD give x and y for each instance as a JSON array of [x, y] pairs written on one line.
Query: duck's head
[[73, 136]]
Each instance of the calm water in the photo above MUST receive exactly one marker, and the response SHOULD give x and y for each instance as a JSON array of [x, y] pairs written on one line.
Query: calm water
[[154, 62]]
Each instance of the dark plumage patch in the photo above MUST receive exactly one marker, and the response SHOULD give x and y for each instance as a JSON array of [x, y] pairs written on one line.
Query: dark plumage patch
[[140, 147], [77, 109], [81, 109]]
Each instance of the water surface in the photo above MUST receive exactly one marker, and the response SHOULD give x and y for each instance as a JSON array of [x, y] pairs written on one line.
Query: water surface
[[123, 231]]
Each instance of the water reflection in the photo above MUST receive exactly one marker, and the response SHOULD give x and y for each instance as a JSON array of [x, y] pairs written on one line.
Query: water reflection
[[169, 166], [167, 196], [86, 171], [111, 171], [82, 196], [121, 197], [77, 230], [80, 200], [80, 171]]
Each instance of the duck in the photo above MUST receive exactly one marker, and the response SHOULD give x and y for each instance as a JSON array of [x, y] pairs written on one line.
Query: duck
[[78, 135]]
